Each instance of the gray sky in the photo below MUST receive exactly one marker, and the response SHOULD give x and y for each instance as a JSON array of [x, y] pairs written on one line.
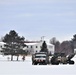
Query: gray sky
[[36, 18]]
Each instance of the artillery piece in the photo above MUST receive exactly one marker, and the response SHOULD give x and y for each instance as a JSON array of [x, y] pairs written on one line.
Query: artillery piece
[[61, 58]]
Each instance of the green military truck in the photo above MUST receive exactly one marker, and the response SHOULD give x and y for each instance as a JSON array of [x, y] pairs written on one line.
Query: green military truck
[[40, 58]]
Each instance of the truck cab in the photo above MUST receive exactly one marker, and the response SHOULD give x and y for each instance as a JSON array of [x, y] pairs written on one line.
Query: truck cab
[[40, 58]]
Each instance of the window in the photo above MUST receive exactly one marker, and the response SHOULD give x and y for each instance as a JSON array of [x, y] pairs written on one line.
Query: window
[[31, 46], [1, 46], [27, 46]]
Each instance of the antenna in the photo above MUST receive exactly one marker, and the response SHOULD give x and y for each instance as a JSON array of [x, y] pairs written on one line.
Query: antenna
[[42, 38]]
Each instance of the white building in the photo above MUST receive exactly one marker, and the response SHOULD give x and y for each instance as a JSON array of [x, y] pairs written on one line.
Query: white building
[[1, 46], [36, 47], [33, 47]]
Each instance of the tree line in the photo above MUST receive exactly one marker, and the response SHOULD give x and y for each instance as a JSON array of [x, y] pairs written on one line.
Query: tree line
[[66, 47]]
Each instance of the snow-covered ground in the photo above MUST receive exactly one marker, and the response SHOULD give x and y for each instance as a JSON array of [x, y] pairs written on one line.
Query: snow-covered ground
[[26, 68]]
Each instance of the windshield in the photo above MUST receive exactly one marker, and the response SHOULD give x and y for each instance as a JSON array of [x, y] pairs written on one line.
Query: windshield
[[40, 56]]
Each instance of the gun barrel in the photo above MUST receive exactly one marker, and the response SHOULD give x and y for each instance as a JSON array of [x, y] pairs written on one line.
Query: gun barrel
[[71, 56]]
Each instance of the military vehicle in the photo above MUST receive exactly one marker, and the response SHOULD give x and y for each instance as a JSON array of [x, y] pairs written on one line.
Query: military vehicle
[[61, 58], [56, 59], [40, 58]]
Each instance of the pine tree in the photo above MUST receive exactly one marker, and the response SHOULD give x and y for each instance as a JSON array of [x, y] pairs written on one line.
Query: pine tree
[[14, 44], [44, 47], [74, 38]]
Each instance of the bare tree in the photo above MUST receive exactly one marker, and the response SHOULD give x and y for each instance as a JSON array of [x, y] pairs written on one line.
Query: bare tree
[[53, 41], [66, 47], [57, 47]]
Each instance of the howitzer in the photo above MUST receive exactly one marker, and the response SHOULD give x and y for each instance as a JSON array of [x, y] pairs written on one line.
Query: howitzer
[[71, 56], [62, 58]]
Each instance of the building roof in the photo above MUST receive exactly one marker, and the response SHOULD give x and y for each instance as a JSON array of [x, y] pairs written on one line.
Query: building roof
[[1, 43], [31, 43], [38, 43]]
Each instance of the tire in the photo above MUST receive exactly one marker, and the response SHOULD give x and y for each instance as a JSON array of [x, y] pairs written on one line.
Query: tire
[[44, 63], [57, 63], [34, 63], [71, 62], [54, 62]]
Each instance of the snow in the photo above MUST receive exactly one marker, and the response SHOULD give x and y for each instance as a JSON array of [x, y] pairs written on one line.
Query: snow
[[2, 43], [31, 43], [8, 67]]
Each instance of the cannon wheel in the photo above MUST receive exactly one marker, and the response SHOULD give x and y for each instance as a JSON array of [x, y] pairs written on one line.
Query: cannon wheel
[[71, 62]]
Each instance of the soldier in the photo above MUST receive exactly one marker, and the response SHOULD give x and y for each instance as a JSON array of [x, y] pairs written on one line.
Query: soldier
[[8, 58], [23, 58]]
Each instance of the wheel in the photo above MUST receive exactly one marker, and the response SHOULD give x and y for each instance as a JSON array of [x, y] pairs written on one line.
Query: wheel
[[44, 63], [71, 62], [33, 63], [54, 62], [57, 63]]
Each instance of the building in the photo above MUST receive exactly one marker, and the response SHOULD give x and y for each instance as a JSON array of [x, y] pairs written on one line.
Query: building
[[1, 46], [36, 47], [33, 47]]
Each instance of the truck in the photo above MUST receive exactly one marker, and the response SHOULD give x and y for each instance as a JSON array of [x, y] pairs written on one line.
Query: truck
[[40, 58]]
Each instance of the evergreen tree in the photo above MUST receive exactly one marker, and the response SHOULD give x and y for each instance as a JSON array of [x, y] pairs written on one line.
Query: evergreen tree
[[14, 44], [74, 38], [74, 42], [44, 47]]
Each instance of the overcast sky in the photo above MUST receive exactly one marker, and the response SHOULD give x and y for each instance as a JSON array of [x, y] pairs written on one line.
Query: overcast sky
[[36, 18]]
